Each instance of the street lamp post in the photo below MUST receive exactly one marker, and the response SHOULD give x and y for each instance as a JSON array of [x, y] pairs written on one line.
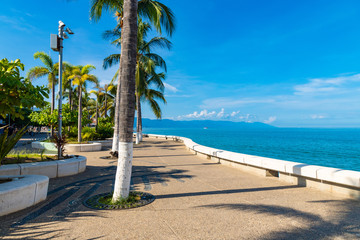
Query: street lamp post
[[56, 44]]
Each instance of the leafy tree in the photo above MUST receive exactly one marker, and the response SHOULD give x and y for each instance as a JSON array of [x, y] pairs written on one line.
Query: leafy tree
[[17, 93], [46, 118]]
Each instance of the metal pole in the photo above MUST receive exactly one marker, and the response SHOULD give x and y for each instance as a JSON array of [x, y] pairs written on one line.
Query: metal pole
[[61, 35]]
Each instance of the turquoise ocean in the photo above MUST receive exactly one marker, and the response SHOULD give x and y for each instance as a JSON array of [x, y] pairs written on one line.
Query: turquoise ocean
[[339, 148]]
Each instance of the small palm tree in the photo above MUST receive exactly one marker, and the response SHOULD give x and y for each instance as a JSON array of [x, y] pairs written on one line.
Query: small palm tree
[[50, 70], [80, 76]]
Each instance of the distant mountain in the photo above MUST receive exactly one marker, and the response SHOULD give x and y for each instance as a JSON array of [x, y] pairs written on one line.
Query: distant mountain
[[167, 123]]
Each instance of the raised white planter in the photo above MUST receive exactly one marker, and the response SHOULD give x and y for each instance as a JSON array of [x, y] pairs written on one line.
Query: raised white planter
[[51, 169], [334, 180], [80, 147], [22, 192], [104, 143]]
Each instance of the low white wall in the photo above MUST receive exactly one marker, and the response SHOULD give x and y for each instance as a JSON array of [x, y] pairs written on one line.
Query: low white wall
[[344, 182], [94, 146], [22, 192], [51, 169]]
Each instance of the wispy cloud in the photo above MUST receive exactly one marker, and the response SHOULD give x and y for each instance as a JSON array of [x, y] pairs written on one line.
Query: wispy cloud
[[316, 116], [171, 88], [270, 120], [18, 23], [325, 85], [232, 102]]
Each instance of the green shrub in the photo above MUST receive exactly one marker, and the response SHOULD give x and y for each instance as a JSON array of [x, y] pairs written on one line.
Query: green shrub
[[89, 134], [105, 129], [72, 133]]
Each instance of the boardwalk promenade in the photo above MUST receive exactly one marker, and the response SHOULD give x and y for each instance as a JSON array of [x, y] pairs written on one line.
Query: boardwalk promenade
[[195, 199]]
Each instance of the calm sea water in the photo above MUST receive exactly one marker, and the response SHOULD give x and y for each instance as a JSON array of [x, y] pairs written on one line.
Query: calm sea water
[[339, 148]]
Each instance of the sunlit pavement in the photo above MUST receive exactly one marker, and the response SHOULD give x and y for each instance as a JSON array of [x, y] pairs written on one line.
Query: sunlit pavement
[[195, 199]]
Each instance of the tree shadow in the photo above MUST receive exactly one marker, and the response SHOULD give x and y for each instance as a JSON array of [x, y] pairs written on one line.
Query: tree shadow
[[346, 222], [228, 191], [66, 194]]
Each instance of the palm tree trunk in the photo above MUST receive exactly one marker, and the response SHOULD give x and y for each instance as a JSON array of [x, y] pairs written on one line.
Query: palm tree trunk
[[137, 141], [115, 144], [70, 101], [127, 103], [105, 100], [52, 104], [96, 114], [79, 115], [140, 122]]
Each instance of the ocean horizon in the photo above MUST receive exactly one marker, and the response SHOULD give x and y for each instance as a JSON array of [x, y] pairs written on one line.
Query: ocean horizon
[[329, 147]]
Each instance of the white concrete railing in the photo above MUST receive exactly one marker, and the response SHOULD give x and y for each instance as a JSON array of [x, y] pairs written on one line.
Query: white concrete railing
[[323, 178], [51, 169], [22, 192]]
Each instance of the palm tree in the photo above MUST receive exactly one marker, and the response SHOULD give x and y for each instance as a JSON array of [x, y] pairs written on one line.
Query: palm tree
[[146, 62], [49, 69], [151, 96], [127, 103], [80, 76], [156, 12], [67, 82]]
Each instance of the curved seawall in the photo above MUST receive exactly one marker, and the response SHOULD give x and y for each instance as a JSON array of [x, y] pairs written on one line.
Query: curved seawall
[[334, 180]]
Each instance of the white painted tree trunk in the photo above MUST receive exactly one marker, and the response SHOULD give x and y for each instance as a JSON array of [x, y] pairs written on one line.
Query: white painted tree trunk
[[123, 171], [140, 136], [137, 140]]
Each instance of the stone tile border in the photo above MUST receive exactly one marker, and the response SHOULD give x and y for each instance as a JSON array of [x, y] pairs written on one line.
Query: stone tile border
[[22, 192], [51, 169], [338, 181]]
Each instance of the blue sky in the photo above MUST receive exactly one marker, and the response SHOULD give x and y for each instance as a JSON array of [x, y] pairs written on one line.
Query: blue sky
[[287, 63]]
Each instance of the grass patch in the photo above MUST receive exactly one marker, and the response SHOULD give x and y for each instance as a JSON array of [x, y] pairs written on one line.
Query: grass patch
[[104, 201], [133, 198], [27, 158]]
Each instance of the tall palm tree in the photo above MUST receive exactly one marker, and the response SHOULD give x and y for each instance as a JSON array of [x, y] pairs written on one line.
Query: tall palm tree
[[146, 60], [50, 70], [80, 76], [157, 13], [127, 103]]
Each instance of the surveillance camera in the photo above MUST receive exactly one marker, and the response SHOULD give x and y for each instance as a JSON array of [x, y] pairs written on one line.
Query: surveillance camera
[[68, 30], [61, 24], [65, 36]]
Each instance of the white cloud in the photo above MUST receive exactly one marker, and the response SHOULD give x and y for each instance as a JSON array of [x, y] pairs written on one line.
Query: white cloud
[[221, 113], [233, 114], [171, 88], [202, 114], [325, 85], [270, 120], [315, 116]]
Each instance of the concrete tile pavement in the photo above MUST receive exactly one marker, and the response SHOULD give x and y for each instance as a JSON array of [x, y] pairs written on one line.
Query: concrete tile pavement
[[195, 199]]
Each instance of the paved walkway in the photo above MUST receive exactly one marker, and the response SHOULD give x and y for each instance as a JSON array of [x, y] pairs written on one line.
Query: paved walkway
[[195, 199]]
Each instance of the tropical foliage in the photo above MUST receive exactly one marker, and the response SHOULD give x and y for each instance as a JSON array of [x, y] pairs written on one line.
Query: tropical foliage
[[17, 93], [8, 142]]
